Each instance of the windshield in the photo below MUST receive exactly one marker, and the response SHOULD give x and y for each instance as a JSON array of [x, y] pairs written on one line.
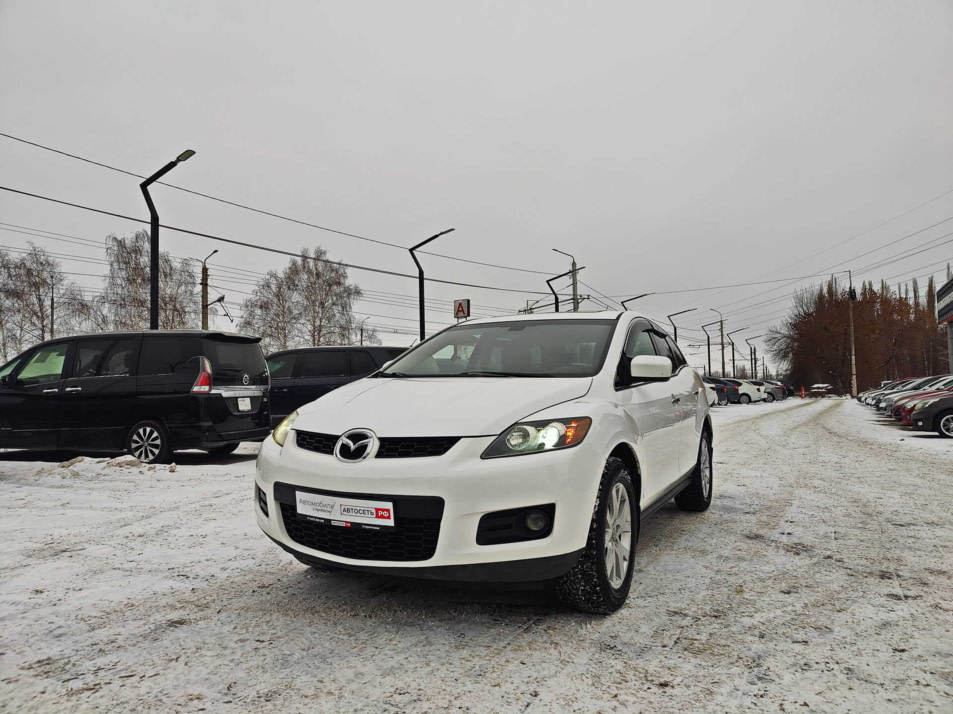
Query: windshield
[[541, 348]]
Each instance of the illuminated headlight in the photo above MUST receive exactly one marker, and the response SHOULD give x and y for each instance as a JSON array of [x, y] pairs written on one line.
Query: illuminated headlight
[[534, 436], [284, 428]]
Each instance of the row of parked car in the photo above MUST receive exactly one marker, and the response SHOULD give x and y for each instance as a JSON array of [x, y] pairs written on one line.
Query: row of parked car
[[745, 391], [151, 393], [924, 403]]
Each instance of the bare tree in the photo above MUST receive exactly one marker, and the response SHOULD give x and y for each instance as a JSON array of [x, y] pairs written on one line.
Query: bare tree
[[126, 298], [309, 303]]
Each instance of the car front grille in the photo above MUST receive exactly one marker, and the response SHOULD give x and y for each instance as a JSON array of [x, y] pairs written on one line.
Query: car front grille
[[390, 448], [413, 537]]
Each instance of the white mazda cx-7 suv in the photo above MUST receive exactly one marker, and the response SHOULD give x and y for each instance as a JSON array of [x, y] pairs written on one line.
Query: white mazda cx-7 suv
[[521, 448]]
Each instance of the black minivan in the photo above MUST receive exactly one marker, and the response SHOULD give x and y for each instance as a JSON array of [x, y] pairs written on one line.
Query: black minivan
[[302, 375], [148, 393]]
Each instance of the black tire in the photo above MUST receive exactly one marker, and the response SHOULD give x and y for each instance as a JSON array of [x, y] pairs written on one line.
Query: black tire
[[223, 450], [769, 397], [744, 399], [697, 497], [590, 586], [722, 400], [944, 424], [148, 442]]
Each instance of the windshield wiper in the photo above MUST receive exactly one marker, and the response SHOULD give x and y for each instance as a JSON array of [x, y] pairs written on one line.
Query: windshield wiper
[[502, 374], [393, 374]]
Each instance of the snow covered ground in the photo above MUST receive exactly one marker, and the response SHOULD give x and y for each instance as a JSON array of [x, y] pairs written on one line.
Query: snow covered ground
[[821, 579]]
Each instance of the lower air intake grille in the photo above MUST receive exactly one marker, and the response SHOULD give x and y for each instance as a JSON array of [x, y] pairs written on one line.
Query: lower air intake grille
[[413, 538], [320, 443]]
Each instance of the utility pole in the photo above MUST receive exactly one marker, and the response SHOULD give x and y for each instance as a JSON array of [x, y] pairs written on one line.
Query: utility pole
[[362, 328], [722, 323], [52, 308], [708, 343], [205, 305], [575, 282], [851, 295]]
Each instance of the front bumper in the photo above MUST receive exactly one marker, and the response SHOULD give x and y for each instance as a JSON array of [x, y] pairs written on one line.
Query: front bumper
[[922, 420], [469, 488]]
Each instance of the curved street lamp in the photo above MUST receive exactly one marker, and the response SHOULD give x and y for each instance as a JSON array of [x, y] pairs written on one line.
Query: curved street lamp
[[733, 350], [678, 313], [154, 236]]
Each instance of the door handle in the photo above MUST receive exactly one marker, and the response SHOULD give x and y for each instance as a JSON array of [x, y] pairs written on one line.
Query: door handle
[[695, 393], [51, 391], [73, 389], [676, 399]]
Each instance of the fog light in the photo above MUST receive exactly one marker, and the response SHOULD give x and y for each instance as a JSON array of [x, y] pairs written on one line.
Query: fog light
[[536, 521]]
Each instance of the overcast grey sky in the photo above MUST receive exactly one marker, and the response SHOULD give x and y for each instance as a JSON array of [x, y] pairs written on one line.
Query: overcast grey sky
[[668, 146]]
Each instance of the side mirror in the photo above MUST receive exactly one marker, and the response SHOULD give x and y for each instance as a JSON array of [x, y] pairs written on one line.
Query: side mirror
[[6, 381], [650, 367]]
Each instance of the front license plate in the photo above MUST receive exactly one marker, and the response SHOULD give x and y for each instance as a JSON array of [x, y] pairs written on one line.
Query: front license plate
[[244, 404], [345, 511]]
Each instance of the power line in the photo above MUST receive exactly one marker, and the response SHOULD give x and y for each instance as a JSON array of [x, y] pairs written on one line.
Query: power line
[[268, 213], [278, 251]]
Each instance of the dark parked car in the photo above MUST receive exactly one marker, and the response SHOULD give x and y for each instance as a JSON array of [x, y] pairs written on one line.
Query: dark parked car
[[302, 375], [731, 390], [148, 393], [934, 414]]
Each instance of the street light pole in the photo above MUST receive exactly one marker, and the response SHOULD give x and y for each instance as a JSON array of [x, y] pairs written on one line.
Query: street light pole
[[851, 295], [549, 282], [575, 284], [205, 291], [752, 355], [742, 329], [722, 323], [708, 341], [631, 299], [362, 328], [154, 236], [420, 278], [674, 328]]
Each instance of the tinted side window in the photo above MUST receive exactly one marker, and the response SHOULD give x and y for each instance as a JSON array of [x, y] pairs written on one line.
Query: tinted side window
[[663, 348], [105, 358], [165, 355], [678, 358], [639, 342], [393, 354], [44, 365], [362, 363], [9, 366], [282, 366], [327, 363]]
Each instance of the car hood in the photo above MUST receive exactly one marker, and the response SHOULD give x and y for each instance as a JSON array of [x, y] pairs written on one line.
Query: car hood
[[442, 406]]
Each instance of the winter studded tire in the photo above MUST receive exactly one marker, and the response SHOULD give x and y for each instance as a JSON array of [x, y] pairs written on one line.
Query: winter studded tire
[[600, 581], [944, 424], [148, 442], [697, 496]]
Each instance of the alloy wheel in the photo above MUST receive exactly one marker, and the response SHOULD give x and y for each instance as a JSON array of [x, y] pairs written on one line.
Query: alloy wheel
[[618, 535], [946, 425], [145, 444]]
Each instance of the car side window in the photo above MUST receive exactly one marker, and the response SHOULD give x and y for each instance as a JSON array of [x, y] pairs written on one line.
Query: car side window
[[326, 363], [167, 355], [9, 367], [362, 364], [105, 358], [664, 349], [45, 365], [678, 358], [282, 366], [639, 342]]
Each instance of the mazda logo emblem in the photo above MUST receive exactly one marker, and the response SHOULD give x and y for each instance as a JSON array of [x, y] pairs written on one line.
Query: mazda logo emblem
[[355, 445]]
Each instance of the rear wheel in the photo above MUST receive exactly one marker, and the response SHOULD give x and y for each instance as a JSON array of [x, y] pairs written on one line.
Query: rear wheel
[[769, 397], [944, 424], [697, 497], [722, 399], [744, 399], [149, 443], [600, 581]]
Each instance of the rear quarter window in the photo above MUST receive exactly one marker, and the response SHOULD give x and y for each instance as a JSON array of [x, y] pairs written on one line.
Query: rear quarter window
[[167, 355]]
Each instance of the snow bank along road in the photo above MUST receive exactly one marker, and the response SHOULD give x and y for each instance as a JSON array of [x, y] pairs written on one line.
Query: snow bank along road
[[820, 580]]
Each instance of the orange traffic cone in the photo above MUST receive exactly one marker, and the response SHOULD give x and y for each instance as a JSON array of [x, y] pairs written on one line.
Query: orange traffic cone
[[802, 392]]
